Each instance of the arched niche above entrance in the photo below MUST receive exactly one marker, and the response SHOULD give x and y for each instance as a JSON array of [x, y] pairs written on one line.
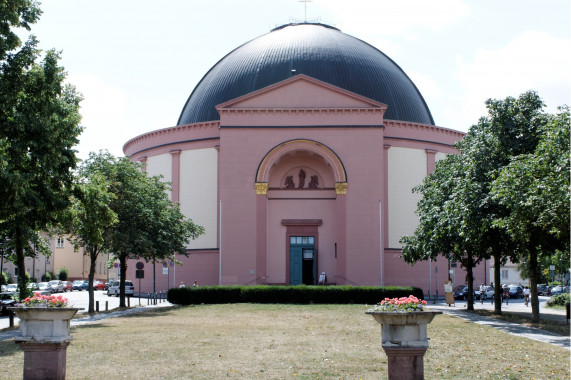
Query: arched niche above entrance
[[301, 170], [300, 153]]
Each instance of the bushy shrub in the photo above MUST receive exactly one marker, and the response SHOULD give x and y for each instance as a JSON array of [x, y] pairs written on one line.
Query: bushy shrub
[[62, 274], [559, 300], [288, 294], [48, 276], [4, 278]]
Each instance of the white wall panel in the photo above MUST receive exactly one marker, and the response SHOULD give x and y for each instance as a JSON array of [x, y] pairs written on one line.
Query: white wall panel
[[407, 168], [440, 156], [161, 165], [198, 193]]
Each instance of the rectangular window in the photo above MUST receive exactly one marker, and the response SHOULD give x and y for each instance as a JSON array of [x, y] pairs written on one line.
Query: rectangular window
[[505, 274], [59, 243], [306, 240]]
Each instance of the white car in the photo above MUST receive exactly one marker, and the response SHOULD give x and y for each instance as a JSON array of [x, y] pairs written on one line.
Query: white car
[[12, 288], [57, 286], [45, 288], [488, 291], [115, 291]]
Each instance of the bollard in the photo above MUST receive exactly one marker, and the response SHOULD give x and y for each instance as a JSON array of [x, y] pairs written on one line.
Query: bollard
[[97, 306], [11, 317], [106, 305], [128, 301]]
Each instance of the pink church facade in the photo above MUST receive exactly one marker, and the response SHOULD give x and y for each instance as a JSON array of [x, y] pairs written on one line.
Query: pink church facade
[[294, 180]]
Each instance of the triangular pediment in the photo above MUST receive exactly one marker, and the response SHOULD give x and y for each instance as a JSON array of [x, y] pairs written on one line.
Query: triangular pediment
[[301, 92]]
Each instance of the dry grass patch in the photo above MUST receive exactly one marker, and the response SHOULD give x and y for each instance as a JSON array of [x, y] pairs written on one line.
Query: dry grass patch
[[248, 341]]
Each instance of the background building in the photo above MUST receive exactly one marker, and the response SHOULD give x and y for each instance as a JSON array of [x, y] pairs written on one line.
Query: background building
[[298, 152], [62, 256]]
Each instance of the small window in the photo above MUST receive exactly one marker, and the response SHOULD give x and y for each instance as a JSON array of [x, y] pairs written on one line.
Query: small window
[[59, 243], [505, 274], [306, 240]]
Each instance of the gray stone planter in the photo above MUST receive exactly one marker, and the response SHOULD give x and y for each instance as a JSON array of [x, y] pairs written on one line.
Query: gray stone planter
[[44, 337], [404, 340]]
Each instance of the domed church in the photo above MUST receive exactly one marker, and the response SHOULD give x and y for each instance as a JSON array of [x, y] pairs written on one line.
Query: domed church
[[297, 152]]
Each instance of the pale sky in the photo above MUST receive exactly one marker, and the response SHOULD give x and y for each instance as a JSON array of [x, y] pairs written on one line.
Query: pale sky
[[137, 61]]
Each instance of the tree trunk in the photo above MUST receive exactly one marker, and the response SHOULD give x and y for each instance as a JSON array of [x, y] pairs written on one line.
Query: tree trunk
[[497, 284], [21, 264], [533, 285], [90, 278], [470, 281], [123, 271]]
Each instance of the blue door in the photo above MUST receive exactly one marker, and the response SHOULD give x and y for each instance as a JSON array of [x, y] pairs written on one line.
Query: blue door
[[302, 260], [295, 266]]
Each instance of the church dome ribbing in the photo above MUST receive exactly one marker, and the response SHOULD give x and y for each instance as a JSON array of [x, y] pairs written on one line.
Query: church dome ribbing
[[317, 50]]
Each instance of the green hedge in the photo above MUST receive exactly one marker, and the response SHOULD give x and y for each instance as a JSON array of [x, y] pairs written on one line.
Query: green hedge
[[288, 294]]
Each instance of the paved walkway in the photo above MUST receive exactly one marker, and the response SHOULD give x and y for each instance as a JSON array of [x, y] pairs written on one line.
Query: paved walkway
[[516, 307], [456, 310], [8, 334]]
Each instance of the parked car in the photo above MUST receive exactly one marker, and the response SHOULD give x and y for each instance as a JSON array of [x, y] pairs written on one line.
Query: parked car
[[85, 285], [45, 288], [67, 286], [516, 291], [115, 291], [542, 289], [461, 292], [98, 285], [32, 286], [559, 290], [6, 301], [57, 286], [77, 284], [11, 288], [2, 288], [107, 284]]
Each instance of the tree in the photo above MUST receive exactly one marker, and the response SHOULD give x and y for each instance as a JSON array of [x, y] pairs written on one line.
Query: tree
[[447, 220], [39, 125], [460, 213], [90, 217], [535, 189], [149, 225]]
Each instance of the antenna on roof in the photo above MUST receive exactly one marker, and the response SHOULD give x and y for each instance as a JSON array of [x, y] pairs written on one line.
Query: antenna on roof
[[305, 6]]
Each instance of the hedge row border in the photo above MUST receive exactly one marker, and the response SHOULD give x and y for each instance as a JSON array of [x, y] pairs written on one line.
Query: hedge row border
[[302, 294]]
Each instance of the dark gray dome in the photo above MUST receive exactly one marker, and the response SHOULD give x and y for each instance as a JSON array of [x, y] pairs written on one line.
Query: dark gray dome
[[316, 50]]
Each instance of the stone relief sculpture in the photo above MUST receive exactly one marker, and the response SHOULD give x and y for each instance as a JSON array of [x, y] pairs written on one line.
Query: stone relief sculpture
[[314, 183], [289, 182], [301, 179]]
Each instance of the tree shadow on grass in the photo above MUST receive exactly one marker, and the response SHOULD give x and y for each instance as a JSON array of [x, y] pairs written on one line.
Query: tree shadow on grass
[[154, 312], [8, 348], [92, 325]]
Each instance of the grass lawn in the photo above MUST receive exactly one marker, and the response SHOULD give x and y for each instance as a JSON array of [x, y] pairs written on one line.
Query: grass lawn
[[247, 341]]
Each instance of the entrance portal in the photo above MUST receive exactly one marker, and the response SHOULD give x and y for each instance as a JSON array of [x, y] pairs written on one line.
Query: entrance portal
[[303, 263]]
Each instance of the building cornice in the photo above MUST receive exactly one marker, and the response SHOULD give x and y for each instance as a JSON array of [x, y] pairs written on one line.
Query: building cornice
[[404, 125], [171, 134], [300, 111]]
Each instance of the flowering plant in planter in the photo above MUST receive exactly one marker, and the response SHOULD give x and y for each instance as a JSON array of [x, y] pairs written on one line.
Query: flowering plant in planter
[[400, 305], [43, 301]]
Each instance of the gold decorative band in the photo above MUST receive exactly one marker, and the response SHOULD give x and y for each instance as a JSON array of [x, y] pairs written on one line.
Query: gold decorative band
[[261, 188], [341, 188]]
